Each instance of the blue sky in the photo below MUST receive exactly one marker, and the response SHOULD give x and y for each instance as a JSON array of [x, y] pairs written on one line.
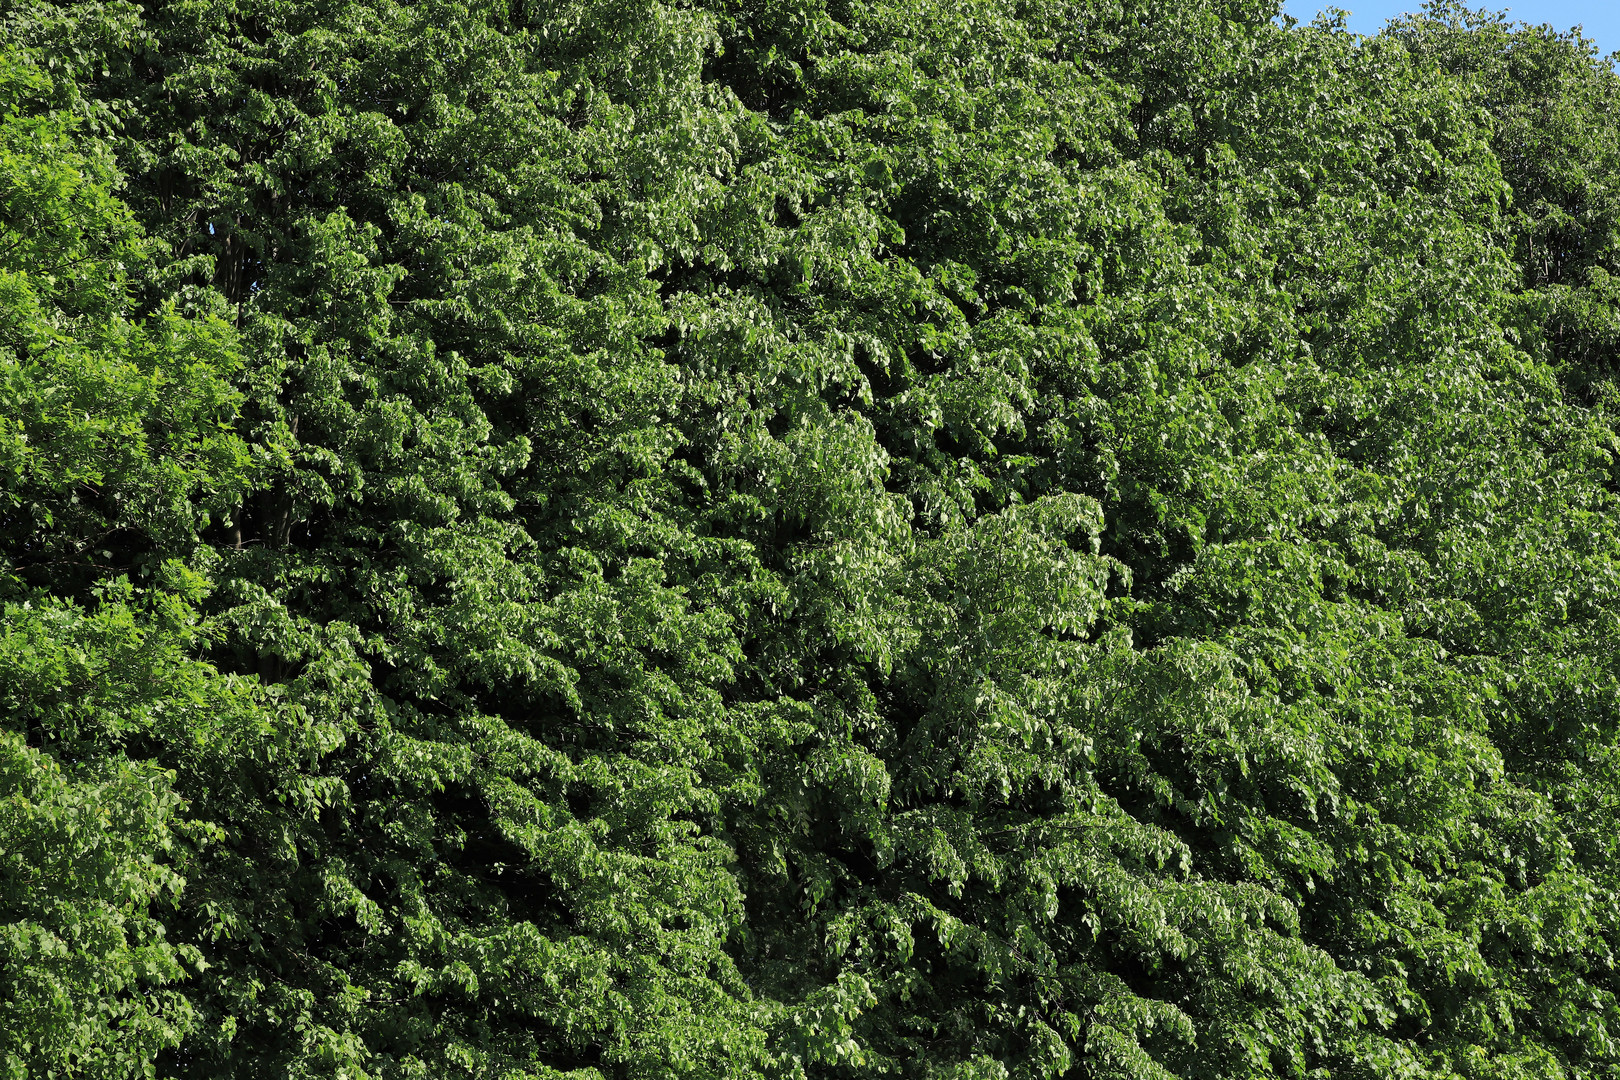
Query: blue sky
[[1599, 18]]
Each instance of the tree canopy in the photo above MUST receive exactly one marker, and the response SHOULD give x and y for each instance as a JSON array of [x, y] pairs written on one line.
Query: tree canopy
[[806, 540]]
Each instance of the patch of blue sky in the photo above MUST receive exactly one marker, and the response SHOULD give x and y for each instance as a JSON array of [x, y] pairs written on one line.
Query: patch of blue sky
[[1598, 19]]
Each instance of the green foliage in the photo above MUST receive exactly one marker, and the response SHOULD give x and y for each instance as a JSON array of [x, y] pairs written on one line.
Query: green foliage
[[115, 441], [84, 957], [788, 539]]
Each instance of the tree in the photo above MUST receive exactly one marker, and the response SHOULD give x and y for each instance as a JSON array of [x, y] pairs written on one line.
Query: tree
[[801, 539], [115, 441]]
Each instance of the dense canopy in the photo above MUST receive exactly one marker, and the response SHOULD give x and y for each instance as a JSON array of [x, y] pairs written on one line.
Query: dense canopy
[[806, 540]]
